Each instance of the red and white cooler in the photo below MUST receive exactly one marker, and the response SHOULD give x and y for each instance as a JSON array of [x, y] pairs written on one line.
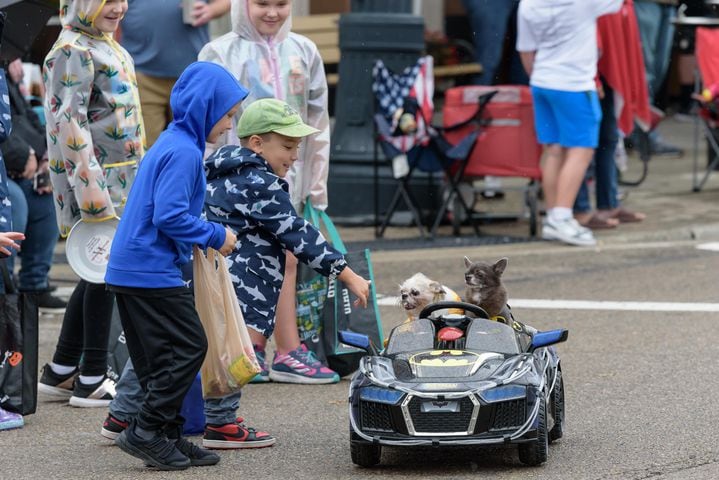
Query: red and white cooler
[[507, 146]]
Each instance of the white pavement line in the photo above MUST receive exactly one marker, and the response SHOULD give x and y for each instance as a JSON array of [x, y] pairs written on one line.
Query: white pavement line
[[596, 305], [711, 246]]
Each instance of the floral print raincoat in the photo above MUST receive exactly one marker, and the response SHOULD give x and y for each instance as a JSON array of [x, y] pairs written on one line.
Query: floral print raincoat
[[94, 123]]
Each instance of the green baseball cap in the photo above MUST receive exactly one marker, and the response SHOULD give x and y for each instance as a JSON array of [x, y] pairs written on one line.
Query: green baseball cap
[[271, 115]]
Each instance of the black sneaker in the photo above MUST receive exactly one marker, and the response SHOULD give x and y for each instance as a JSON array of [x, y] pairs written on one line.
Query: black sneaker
[[112, 427], [54, 385], [199, 457], [50, 304], [98, 394], [157, 452]]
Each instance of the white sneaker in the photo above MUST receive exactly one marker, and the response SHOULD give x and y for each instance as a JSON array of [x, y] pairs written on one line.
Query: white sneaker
[[568, 231]]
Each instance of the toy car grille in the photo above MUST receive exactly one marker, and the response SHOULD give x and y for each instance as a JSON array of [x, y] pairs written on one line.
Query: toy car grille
[[439, 422], [509, 414], [375, 416]]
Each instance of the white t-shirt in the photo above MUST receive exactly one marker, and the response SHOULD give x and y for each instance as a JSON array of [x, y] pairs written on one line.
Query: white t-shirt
[[563, 33]]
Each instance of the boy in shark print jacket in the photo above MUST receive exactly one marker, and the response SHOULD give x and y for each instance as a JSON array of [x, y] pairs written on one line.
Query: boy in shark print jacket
[[246, 192]]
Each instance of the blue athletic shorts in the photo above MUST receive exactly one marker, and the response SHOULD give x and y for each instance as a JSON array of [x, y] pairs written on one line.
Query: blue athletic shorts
[[570, 119]]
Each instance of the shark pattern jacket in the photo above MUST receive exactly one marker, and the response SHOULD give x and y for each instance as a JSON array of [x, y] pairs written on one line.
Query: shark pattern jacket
[[244, 194]]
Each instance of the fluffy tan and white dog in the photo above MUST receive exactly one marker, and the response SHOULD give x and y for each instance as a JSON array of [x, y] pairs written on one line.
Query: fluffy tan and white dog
[[418, 291]]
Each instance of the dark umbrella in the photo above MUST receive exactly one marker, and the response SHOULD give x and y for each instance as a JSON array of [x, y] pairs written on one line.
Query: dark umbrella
[[25, 19]]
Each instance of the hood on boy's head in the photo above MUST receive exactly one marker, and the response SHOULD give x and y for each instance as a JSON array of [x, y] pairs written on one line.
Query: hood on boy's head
[[243, 27], [81, 14], [201, 96]]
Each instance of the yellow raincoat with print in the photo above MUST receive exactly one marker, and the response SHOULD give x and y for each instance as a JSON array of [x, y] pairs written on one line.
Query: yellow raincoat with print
[[287, 66], [94, 123]]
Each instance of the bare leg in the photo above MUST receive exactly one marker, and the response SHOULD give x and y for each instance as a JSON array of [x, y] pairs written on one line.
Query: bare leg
[[571, 175], [551, 166], [257, 338], [286, 335]]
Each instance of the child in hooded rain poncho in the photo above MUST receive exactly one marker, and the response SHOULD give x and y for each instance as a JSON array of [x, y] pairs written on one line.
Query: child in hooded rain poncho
[[165, 338], [271, 61], [95, 140]]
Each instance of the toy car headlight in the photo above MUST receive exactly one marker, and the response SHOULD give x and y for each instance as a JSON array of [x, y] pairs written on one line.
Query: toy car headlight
[[380, 395], [504, 393]]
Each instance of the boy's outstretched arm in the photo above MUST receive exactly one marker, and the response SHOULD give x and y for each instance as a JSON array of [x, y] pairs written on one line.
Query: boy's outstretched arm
[[305, 241], [357, 285]]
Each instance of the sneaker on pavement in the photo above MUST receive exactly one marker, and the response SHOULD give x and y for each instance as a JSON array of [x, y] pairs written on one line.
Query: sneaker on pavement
[[264, 375], [301, 366], [54, 385], [661, 148], [568, 231], [157, 452], [112, 427], [199, 457], [235, 435], [50, 304], [98, 394], [10, 420]]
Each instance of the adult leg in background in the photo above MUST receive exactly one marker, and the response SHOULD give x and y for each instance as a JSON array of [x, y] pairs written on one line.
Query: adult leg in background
[[41, 236], [155, 103]]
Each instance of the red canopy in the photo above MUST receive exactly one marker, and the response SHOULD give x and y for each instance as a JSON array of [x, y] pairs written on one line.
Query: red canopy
[[622, 65]]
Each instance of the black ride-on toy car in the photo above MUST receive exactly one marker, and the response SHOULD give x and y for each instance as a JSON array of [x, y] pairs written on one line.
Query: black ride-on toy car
[[452, 379]]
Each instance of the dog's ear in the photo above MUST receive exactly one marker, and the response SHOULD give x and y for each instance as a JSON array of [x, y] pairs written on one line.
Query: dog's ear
[[436, 288], [500, 266], [467, 262]]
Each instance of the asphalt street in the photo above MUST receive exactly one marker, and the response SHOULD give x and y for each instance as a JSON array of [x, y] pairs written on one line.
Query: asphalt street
[[639, 372]]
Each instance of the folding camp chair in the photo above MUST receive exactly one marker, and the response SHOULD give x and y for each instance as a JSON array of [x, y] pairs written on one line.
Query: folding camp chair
[[708, 119], [404, 133]]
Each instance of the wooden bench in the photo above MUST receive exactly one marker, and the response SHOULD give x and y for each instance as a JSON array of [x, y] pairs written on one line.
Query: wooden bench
[[324, 31]]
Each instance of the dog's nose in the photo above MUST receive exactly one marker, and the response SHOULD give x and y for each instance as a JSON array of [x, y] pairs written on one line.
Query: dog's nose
[[404, 296]]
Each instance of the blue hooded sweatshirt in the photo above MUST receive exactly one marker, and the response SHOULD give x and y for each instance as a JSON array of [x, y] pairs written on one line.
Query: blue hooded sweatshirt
[[161, 220]]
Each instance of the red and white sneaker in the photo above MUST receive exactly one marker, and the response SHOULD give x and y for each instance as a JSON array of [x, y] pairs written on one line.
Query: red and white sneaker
[[112, 427], [235, 435]]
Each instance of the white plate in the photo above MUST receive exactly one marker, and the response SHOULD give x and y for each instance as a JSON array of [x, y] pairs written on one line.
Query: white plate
[[88, 248]]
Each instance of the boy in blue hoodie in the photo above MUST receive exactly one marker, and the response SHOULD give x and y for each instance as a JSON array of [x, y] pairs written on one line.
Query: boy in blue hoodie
[[160, 224], [246, 191]]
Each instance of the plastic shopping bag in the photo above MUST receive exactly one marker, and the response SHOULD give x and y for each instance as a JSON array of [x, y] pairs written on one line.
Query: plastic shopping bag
[[230, 362]]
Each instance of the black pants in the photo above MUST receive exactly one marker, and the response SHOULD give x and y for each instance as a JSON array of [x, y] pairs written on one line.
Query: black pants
[[86, 329], [167, 345]]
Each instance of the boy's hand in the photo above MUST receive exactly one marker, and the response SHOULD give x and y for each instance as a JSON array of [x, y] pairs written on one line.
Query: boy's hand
[[7, 240], [357, 285], [230, 240]]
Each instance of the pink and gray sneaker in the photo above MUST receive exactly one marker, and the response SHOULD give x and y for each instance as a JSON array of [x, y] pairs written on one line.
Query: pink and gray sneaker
[[264, 375], [301, 366]]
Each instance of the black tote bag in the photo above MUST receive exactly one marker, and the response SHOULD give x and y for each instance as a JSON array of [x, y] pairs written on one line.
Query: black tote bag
[[18, 348], [326, 306]]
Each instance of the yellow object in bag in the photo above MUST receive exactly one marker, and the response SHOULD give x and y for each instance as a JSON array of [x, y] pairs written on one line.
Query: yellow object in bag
[[230, 362]]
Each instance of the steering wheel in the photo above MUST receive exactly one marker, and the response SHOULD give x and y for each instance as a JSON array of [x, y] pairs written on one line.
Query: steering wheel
[[467, 307]]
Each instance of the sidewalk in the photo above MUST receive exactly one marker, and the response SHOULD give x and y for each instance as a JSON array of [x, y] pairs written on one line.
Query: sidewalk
[[674, 211]]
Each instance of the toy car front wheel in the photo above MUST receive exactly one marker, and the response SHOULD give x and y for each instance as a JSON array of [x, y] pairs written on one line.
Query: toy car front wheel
[[535, 452], [365, 455], [557, 399]]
